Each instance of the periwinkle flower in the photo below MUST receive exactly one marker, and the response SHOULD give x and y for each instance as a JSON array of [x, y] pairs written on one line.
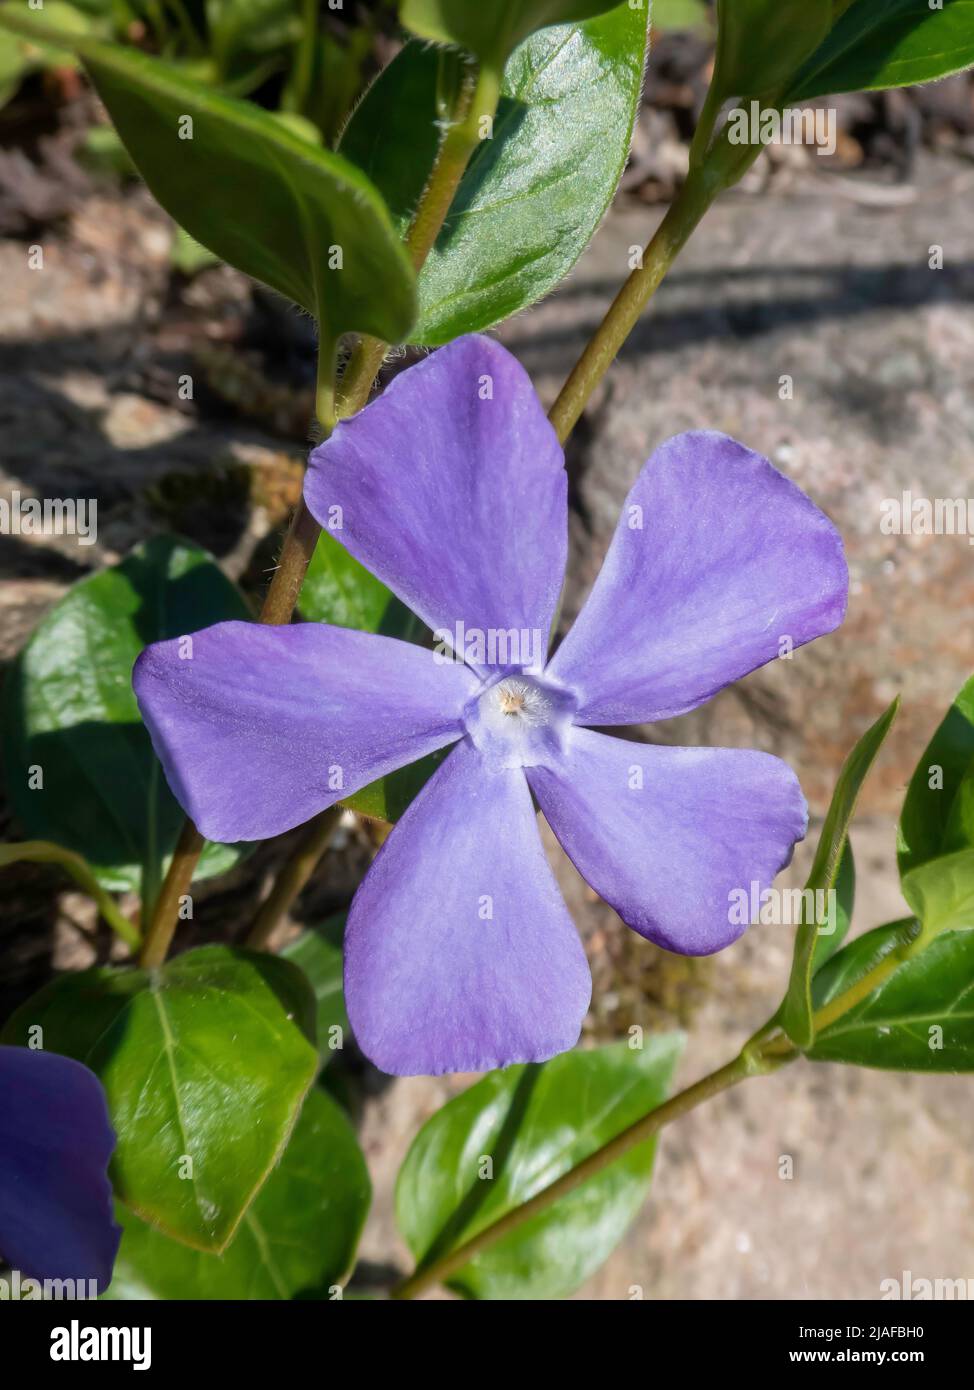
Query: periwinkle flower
[[56, 1218], [459, 952]]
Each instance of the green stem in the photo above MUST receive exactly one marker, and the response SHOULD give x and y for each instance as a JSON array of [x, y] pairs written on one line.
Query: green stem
[[150, 861], [473, 114], [46, 852], [193, 40], [724, 165], [478, 100], [176, 885], [442, 1269], [705, 127], [293, 877], [472, 124], [765, 1052], [304, 57]]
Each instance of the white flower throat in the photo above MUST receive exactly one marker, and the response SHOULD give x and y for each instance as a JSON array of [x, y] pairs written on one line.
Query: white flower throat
[[519, 720]]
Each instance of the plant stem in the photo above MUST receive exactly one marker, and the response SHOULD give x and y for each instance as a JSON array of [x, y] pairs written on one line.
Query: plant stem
[[304, 57], [474, 112], [294, 876], [159, 933], [645, 1128], [192, 38], [472, 124], [724, 165], [477, 103], [766, 1051]]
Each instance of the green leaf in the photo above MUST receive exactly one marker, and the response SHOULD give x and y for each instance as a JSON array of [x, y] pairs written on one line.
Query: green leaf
[[297, 1240], [959, 833], [534, 1123], [390, 797], [827, 943], [44, 852], [941, 893], [889, 43], [926, 826], [534, 194], [318, 955], [760, 43], [204, 1061], [70, 711], [795, 1015], [280, 208], [921, 1018], [492, 31], [340, 591], [856, 960]]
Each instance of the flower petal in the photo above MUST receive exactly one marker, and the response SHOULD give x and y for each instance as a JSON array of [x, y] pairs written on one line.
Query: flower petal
[[460, 954], [716, 559], [667, 835], [56, 1217], [260, 728], [456, 502]]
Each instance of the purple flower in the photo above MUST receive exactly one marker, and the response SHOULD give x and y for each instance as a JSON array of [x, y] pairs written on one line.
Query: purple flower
[[55, 1142], [459, 952]]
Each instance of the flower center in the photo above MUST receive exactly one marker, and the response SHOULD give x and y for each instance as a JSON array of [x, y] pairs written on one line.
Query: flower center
[[519, 721]]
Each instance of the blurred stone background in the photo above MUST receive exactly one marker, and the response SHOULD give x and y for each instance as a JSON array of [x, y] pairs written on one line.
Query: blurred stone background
[[814, 269]]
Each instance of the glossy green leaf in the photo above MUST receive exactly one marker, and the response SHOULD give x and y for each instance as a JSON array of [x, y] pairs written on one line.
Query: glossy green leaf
[[297, 1240], [46, 852], [859, 957], [70, 711], [889, 43], [282, 209], [941, 893], [534, 194], [828, 942], [795, 1015], [340, 591], [761, 43], [205, 1063], [528, 1125], [926, 827], [493, 30], [920, 1019], [318, 955], [389, 797], [959, 833]]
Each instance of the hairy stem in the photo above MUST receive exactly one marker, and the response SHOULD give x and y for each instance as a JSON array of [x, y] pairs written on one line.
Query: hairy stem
[[473, 115], [723, 166], [294, 876], [438, 1271], [304, 57], [765, 1052], [159, 934]]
